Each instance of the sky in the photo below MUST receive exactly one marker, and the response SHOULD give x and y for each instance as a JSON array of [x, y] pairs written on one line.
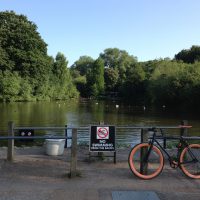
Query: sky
[[147, 29]]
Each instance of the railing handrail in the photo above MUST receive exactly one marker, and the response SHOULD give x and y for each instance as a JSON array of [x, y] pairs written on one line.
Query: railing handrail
[[149, 127], [87, 127], [32, 137], [49, 128]]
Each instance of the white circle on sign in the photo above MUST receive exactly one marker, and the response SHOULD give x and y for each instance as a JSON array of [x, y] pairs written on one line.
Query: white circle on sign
[[22, 133], [29, 133], [102, 132]]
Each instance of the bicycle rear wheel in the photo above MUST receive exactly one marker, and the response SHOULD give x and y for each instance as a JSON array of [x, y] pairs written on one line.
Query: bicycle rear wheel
[[143, 165], [190, 161]]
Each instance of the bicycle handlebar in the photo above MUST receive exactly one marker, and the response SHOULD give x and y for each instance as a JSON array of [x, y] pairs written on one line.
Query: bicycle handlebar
[[160, 129], [154, 128], [184, 126]]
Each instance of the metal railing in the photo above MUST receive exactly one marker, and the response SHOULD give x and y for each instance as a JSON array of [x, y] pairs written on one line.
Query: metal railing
[[11, 138], [73, 162]]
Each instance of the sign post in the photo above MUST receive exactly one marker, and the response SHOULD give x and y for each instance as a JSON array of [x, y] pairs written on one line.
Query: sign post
[[102, 139]]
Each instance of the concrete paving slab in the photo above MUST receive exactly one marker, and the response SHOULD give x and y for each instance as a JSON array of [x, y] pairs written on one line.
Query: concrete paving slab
[[134, 195]]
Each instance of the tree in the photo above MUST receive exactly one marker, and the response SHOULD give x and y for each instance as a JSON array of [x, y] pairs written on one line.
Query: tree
[[23, 54], [23, 51], [21, 42], [95, 79], [9, 86], [59, 69], [175, 83], [83, 65], [119, 60], [189, 55], [111, 76], [79, 70], [133, 88], [61, 79]]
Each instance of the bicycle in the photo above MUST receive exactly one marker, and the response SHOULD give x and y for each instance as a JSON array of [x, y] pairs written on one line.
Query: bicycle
[[146, 160]]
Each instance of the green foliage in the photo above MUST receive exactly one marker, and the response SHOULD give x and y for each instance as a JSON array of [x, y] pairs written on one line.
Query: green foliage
[[79, 70], [161, 82], [25, 91], [95, 79], [9, 86], [189, 55], [111, 77], [118, 59], [27, 72], [82, 65], [174, 83], [133, 88], [61, 80], [81, 85]]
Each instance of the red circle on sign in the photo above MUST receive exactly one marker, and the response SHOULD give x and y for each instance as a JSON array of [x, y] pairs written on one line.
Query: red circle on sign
[[102, 133]]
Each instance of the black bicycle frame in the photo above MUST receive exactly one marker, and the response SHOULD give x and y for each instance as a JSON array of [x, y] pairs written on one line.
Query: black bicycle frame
[[182, 143]]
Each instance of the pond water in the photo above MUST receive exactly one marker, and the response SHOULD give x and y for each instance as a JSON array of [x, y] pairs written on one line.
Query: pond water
[[88, 112]]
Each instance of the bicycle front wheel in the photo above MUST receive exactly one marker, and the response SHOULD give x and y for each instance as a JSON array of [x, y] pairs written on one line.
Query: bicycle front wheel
[[190, 161], [144, 162]]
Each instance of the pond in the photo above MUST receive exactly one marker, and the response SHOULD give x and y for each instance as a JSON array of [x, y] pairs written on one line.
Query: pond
[[91, 112]]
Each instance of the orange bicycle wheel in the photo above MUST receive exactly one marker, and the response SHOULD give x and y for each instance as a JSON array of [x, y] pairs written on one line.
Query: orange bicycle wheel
[[190, 161], [150, 168]]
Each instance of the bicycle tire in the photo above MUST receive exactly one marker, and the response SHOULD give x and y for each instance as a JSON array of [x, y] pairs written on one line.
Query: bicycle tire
[[155, 161], [190, 168]]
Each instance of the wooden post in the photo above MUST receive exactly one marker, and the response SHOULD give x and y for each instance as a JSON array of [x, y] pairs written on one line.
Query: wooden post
[[184, 131], [144, 138], [144, 135], [10, 152], [115, 157], [66, 134], [73, 165]]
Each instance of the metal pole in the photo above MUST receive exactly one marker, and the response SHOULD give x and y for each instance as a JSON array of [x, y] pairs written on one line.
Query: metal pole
[[10, 152], [164, 143], [73, 164]]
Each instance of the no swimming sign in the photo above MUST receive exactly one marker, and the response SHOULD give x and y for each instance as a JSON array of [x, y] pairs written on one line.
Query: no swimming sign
[[102, 138]]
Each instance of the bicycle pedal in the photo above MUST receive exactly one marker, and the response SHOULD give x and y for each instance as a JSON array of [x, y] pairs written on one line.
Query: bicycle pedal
[[174, 164]]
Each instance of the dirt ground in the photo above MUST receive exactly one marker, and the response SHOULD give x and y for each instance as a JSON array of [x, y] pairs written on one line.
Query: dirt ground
[[34, 175]]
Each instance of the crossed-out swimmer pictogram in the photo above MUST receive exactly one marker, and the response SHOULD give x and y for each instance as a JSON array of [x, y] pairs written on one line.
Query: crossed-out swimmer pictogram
[[102, 133]]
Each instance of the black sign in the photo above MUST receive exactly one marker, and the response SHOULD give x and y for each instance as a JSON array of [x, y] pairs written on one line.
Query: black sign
[[27, 133], [102, 138]]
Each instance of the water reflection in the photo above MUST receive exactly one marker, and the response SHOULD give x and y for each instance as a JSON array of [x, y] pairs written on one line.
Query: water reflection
[[85, 113]]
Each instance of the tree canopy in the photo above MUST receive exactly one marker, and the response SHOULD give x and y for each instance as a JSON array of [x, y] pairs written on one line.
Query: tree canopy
[[24, 61], [189, 55], [159, 82], [28, 73]]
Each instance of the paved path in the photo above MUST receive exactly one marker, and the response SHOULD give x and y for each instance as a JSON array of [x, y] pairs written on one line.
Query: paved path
[[36, 176]]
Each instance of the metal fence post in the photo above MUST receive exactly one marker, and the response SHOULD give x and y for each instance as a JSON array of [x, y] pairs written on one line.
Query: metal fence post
[[144, 138], [10, 152], [73, 163], [164, 143]]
